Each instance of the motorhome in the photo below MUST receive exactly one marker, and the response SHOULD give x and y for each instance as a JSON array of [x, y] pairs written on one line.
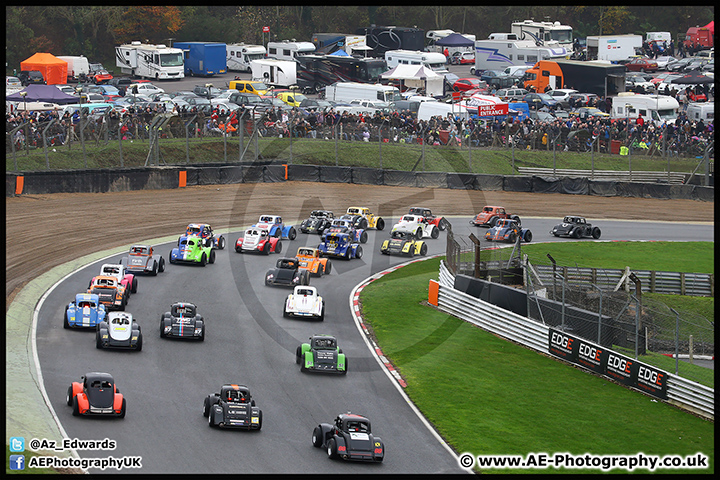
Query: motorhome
[[433, 60], [384, 38], [327, 43], [500, 54], [348, 91], [287, 50], [157, 62], [239, 56], [274, 72], [314, 72], [544, 33], [652, 108], [78, 67], [701, 111]]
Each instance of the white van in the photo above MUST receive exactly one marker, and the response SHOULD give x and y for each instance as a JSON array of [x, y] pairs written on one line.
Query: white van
[[427, 110], [652, 108], [346, 92], [516, 70], [701, 111]]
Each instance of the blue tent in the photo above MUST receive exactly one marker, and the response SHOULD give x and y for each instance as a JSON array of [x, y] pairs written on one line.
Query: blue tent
[[455, 40], [340, 53]]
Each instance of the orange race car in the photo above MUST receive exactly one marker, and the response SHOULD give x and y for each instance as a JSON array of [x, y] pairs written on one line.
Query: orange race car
[[489, 216], [311, 261], [97, 394]]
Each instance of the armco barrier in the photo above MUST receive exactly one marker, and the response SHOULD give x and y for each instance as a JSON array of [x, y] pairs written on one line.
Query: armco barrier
[[684, 393], [166, 177]]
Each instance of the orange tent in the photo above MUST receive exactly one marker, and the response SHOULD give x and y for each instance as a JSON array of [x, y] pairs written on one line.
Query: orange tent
[[53, 70]]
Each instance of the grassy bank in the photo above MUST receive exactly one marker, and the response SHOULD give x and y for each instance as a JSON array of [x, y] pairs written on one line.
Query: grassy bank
[[488, 396]]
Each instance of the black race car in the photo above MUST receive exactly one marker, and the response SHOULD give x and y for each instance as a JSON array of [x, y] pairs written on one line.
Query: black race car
[[317, 223], [182, 321], [349, 438], [287, 273], [96, 394], [233, 407], [403, 243], [576, 227]]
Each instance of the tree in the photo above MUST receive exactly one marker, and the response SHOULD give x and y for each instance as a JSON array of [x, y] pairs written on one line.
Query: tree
[[151, 24]]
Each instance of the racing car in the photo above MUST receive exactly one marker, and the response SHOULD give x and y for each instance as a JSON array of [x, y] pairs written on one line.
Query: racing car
[[341, 245], [403, 243], [85, 311], [258, 240], [439, 222], [321, 354], [141, 260], [372, 220], [304, 302], [182, 321], [274, 224], [416, 225], [318, 221], [233, 407], [311, 261], [349, 438], [576, 227], [204, 231], [193, 249], [109, 292], [507, 230], [346, 224], [96, 394], [118, 271], [119, 330], [287, 273], [490, 215]]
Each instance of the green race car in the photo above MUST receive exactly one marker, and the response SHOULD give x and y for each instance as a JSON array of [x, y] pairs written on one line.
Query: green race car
[[193, 249], [321, 355]]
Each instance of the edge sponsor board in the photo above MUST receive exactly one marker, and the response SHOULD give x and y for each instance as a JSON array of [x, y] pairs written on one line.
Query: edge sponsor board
[[598, 359]]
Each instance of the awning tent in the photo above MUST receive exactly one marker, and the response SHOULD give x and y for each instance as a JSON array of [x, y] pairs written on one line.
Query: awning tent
[[417, 76], [42, 93], [53, 69], [455, 40]]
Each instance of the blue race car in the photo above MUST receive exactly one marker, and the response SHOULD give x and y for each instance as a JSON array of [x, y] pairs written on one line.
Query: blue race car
[[275, 226], [341, 245], [508, 230], [86, 311], [347, 225]]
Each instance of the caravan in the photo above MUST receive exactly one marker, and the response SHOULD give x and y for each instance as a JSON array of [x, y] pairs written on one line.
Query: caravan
[[433, 60], [348, 91], [652, 108], [274, 72], [287, 50], [240, 55]]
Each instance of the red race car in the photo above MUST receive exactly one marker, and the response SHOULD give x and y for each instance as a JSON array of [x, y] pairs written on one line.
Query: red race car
[[258, 240], [489, 216], [431, 219], [96, 394]]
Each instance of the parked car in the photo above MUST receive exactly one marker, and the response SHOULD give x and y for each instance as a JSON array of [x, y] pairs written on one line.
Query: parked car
[[642, 64], [539, 100], [663, 61], [11, 81], [488, 75], [578, 100], [144, 89], [291, 98], [206, 91], [679, 64], [511, 94], [30, 76], [462, 58], [586, 112], [562, 96]]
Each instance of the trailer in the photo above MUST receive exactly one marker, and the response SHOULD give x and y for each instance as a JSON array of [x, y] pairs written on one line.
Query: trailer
[[603, 79], [206, 59], [382, 39], [613, 47], [274, 72], [78, 68], [239, 56], [157, 62], [348, 91]]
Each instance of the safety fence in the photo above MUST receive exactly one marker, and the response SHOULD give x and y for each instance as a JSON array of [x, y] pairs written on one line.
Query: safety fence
[[475, 301]]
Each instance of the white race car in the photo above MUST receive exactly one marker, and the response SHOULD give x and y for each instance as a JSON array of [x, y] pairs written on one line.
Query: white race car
[[305, 302], [119, 330], [416, 225]]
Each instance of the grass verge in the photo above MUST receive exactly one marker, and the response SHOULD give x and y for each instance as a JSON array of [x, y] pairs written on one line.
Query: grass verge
[[488, 396]]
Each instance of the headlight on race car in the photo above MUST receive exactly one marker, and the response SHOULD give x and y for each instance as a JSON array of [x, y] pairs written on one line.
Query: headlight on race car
[[198, 332], [255, 420]]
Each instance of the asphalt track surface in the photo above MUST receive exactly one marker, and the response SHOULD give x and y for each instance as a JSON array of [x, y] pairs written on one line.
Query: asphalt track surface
[[248, 341]]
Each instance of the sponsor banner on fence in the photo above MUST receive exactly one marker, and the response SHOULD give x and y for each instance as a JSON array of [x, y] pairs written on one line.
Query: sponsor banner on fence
[[620, 368]]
